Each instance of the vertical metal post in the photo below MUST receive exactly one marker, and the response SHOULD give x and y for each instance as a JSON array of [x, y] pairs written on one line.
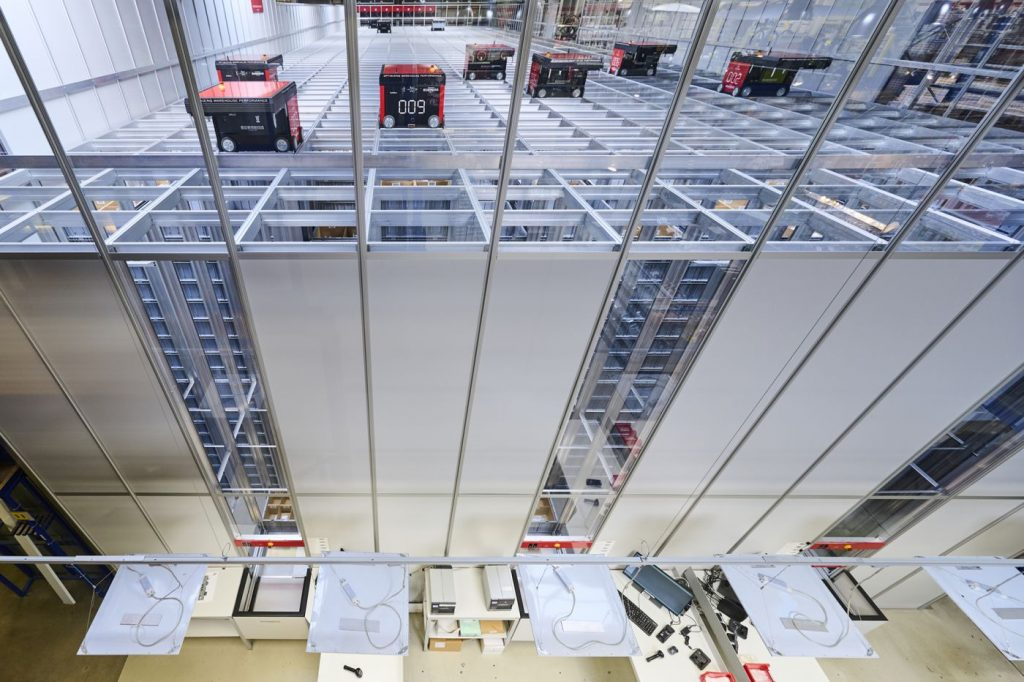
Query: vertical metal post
[[362, 237], [85, 213], [188, 76], [501, 191], [702, 29], [712, 627], [924, 203]]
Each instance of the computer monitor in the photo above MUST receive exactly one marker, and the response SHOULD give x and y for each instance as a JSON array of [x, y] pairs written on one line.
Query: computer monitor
[[660, 587]]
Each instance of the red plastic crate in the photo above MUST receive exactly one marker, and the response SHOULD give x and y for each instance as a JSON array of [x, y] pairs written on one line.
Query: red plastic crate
[[758, 672], [726, 677]]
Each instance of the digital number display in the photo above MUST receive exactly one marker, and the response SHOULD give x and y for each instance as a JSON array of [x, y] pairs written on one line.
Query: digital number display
[[412, 106]]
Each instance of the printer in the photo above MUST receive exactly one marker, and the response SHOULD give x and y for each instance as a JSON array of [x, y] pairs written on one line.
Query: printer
[[499, 591], [441, 584]]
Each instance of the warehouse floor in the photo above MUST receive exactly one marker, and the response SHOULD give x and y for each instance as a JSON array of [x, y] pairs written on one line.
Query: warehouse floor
[[40, 637]]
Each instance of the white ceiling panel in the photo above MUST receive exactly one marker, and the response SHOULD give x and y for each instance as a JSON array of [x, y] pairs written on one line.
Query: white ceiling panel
[[903, 308], [636, 522], [307, 319], [779, 302], [423, 317], [539, 319]]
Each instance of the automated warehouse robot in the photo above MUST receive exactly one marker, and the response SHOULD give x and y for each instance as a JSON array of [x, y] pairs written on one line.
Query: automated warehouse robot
[[766, 75], [254, 116], [638, 59], [486, 61], [561, 74], [411, 96], [262, 68]]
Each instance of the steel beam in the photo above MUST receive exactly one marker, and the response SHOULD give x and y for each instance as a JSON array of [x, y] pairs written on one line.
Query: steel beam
[[712, 627], [362, 241], [356, 559], [498, 215]]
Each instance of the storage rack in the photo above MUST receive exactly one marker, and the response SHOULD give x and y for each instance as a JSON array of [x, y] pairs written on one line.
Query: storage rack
[[470, 604], [578, 167]]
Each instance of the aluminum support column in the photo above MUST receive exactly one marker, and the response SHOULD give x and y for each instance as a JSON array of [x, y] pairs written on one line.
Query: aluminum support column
[[501, 191], [188, 76], [362, 237]]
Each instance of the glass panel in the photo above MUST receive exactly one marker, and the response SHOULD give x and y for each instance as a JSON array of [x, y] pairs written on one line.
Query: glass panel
[[661, 311], [968, 450]]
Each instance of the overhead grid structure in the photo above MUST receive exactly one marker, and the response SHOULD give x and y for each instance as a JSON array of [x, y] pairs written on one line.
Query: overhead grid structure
[[573, 181]]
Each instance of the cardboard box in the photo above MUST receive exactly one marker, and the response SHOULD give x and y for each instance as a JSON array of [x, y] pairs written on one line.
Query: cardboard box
[[492, 627], [437, 644]]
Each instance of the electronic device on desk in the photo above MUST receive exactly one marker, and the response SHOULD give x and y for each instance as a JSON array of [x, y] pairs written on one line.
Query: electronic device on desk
[[441, 581], [700, 659], [498, 587], [639, 618], [665, 633], [660, 587]]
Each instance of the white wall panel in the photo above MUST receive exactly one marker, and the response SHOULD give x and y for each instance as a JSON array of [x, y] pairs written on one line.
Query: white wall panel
[[39, 423], [60, 39], [26, 31], [540, 315], [795, 520], [345, 520], [189, 524], [71, 309], [489, 524], [88, 33], [906, 304], [414, 524], [949, 525], [114, 523], [1007, 479], [114, 39], [715, 524], [777, 304], [1006, 538], [948, 382], [637, 522], [423, 315], [306, 315]]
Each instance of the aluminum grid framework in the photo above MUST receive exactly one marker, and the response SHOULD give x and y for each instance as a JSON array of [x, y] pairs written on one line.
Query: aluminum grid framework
[[722, 173]]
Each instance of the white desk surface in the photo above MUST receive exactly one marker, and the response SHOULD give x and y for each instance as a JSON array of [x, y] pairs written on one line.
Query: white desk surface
[[375, 668], [679, 668]]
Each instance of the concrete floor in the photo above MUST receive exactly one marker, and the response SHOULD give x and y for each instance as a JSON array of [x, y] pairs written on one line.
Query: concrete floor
[[41, 636], [927, 645]]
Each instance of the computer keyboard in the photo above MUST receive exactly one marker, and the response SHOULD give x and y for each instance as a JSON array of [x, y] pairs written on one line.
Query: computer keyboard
[[639, 618]]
